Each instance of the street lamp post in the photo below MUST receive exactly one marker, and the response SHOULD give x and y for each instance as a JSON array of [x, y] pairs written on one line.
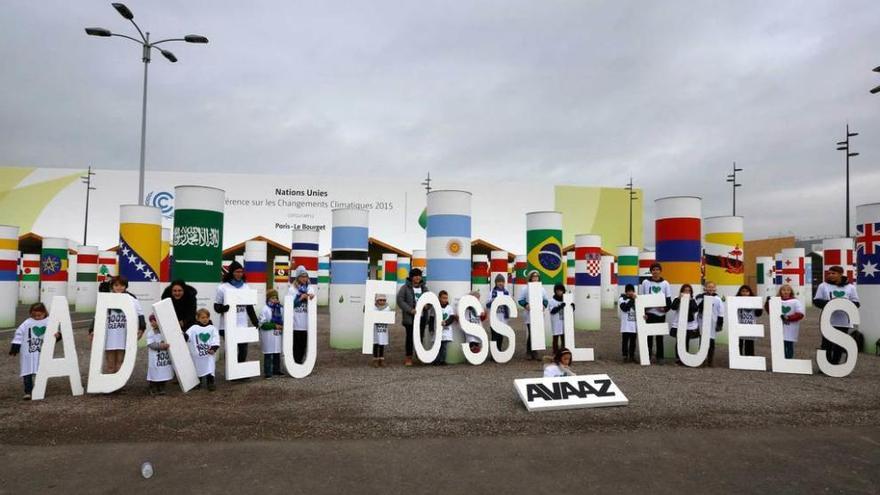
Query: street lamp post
[[633, 195], [734, 184], [87, 180], [844, 146], [146, 47]]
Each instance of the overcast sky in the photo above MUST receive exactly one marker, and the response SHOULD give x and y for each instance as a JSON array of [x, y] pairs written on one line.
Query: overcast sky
[[578, 92]]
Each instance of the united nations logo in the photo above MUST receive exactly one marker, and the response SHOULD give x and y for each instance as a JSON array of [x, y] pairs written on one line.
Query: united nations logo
[[163, 200], [453, 247]]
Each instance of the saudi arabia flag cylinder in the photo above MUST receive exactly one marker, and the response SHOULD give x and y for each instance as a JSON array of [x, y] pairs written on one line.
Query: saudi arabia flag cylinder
[[723, 253], [108, 265], [349, 267], [449, 253], [677, 234], [87, 279], [53, 269], [868, 272], [480, 276], [165, 257], [281, 275], [587, 282], [420, 261], [29, 284], [569, 271], [627, 267], [8, 274], [140, 245], [323, 280], [646, 259], [791, 269], [609, 283], [198, 240], [839, 252], [520, 266], [403, 267], [255, 270], [498, 266], [764, 268]]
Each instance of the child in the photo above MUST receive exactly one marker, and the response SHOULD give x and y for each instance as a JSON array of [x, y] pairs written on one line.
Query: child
[[656, 285], [159, 369], [560, 364], [271, 325], [474, 343], [748, 317], [692, 321], [234, 279], [28, 340], [627, 305], [534, 276], [716, 319], [203, 344], [792, 314], [380, 334], [114, 342], [836, 286], [447, 318], [302, 292], [503, 313], [557, 317]]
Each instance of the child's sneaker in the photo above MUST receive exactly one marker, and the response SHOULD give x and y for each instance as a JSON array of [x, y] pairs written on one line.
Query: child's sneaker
[[381, 362], [408, 361], [26, 397]]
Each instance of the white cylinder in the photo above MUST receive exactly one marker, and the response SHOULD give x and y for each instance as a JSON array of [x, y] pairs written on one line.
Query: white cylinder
[[349, 266], [609, 283], [764, 269], [323, 280], [140, 248], [53, 269], [868, 272], [29, 287], [8, 274], [793, 271], [87, 279], [255, 270], [588, 282]]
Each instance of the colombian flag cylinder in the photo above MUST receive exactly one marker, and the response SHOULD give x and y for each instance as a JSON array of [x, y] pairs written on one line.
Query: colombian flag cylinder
[[764, 268], [587, 282], [8, 274], [839, 252], [255, 270], [609, 283], [868, 272], [520, 265], [108, 265], [569, 271], [349, 267], [449, 253], [544, 247], [140, 247], [792, 270], [403, 267], [723, 253], [86, 279], [389, 274], [677, 235], [165, 255], [53, 269], [198, 240], [498, 266], [646, 259], [281, 275], [29, 285], [480, 276], [420, 261], [627, 267], [323, 280]]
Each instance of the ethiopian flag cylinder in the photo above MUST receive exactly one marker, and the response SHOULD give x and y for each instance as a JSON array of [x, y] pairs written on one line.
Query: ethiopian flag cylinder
[[389, 274], [627, 267], [764, 268], [520, 265], [255, 270], [544, 248], [868, 272], [8, 274], [646, 259], [480, 276], [323, 280], [420, 261], [839, 252], [677, 234], [86, 279], [792, 270], [569, 271], [281, 275], [609, 283], [108, 265], [723, 253], [403, 267], [198, 240], [349, 267], [498, 266], [448, 245], [587, 282], [29, 284], [165, 256], [53, 269], [140, 247]]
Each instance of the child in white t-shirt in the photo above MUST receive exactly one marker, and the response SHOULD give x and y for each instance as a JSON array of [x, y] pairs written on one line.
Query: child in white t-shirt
[[380, 333], [27, 342], [159, 369], [447, 318], [472, 316], [271, 326], [203, 341], [627, 306], [792, 314], [557, 317], [716, 319], [560, 366]]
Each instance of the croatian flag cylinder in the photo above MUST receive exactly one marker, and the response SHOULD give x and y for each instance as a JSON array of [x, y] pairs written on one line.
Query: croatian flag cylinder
[[627, 267], [255, 253], [29, 286], [792, 270], [108, 265], [868, 272], [498, 266], [323, 280], [646, 259], [420, 260], [304, 252], [480, 276], [389, 274], [349, 267], [677, 233], [198, 241], [8, 274], [449, 254], [520, 265], [839, 252], [764, 276], [71, 271], [609, 283], [140, 245], [87, 279], [165, 254], [281, 275], [588, 282], [569, 271], [53, 269], [723, 253]]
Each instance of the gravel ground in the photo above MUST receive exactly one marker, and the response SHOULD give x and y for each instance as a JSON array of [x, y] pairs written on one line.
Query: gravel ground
[[344, 398]]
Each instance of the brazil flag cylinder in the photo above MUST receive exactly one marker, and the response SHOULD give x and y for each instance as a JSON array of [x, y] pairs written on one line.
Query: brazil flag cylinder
[[53, 269], [723, 253], [764, 268], [323, 280], [255, 269], [8, 274], [29, 282], [198, 240], [588, 282], [86, 279], [677, 234], [544, 247], [868, 272], [449, 253], [140, 246], [627, 267], [349, 267]]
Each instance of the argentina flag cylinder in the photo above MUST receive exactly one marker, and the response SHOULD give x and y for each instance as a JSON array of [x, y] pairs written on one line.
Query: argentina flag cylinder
[[677, 234], [609, 282], [8, 274], [323, 280], [140, 245], [587, 282], [868, 272], [723, 253], [764, 268], [839, 252], [349, 266], [87, 279], [627, 267], [281, 275], [255, 270], [29, 282], [53, 269], [448, 245]]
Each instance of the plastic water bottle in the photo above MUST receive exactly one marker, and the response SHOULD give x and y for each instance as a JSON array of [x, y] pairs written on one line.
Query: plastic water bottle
[[147, 470]]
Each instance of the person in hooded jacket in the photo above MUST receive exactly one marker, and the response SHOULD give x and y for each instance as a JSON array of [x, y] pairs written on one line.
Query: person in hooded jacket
[[183, 297], [407, 297], [234, 279], [302, 292], [836, 286]]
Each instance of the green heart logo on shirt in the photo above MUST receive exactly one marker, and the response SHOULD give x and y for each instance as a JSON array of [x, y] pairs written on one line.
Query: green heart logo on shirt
[[204, 337], [655, 289], [786, 309], [38, 331], [838, 293]]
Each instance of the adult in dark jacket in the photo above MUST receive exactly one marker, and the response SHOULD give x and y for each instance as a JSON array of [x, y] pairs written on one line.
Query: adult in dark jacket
[[407, 297], [183, 297]]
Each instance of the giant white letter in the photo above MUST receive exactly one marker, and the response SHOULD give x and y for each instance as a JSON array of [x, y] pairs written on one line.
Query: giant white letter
[[99, 382], [304, 369], [236, 335], [427, 355], [777, 345], [646, 329], [536, 316], [577, 354], [59, 321], [696, 359], [181, 360], [502, 328], [837, 337], [474, 329], [738, 330]]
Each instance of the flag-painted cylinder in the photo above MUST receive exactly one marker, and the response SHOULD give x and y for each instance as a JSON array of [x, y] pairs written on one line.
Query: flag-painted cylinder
[[569, 271], [498, 265], [53, 269], [8, 274], [403, 267], [380, 269], [304, 252], [723, 253], [29, 284], [646, 259], [609, 283], [255, 269], [449, 253], [627, 267], [165, 255], [239, 258], [678, 236], [71, 271], [587, 282], [839, 252], [281, 275], [480, 276], [520, 266], [140, 246], [544, 247], [791, 269], [420, 261], [198, 240], [868, 272], [808, 281], [323, 280], [764, 268], [389, 274], [86, 279], [349, 267]]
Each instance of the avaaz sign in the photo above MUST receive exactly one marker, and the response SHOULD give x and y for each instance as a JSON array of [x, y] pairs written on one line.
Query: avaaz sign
[[569, 392]]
